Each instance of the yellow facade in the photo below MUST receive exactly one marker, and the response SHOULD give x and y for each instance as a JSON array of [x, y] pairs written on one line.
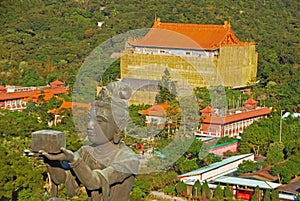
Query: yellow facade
[[235, 66]]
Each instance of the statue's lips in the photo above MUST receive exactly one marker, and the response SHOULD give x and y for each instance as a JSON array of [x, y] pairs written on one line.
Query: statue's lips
[[90, 133]]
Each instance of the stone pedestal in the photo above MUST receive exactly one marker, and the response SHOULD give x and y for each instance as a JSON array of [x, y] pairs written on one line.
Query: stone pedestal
[[48, 140]]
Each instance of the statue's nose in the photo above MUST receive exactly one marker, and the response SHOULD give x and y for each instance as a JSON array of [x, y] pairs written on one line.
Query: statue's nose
[[90, 125]]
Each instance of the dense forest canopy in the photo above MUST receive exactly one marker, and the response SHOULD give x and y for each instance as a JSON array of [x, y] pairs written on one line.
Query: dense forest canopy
[[49, 39]]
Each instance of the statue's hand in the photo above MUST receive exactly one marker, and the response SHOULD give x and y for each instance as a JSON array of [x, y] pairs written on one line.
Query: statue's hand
[[65, 155]]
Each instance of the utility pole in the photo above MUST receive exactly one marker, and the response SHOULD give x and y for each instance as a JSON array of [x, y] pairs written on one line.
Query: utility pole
[[280, 131]]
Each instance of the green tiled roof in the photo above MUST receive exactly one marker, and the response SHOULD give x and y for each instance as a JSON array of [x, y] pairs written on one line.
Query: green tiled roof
[[215, 165], [223, 144]]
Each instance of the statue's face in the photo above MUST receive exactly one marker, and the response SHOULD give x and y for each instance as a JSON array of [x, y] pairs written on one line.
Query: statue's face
[[100, 129]]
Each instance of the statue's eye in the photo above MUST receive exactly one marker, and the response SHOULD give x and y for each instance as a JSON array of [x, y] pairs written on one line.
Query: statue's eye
[[102, 119]]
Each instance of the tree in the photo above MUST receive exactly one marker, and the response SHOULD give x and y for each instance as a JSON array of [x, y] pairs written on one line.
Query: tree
[[218, 194], [287, 170], [181, 188], [137, 194], [247, 166], [197, 189], [187, 166], [206, 192], [275, 153], [267, 195], [20, 177], [275, 195], [166, 89], [256, 136], [227, 192], [211, 158], [256, 195], [170, 190]]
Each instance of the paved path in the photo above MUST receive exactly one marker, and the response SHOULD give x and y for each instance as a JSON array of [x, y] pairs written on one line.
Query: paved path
[[161, 195]]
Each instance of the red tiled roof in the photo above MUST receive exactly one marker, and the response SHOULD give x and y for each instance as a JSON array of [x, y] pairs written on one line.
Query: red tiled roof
[[236, 117], [155, 110], [56, 91], [71, 105], [2, 88], [189, 36], [16, 95], [57, 82], [26, 94], [35, 97], [207, 109], [250, 101]]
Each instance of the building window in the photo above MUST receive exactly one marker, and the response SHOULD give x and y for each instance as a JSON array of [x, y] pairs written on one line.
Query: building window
[[188, 53]]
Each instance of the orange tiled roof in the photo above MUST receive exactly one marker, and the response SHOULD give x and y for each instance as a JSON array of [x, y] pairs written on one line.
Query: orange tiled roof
[[57, 82], [2, 88], [236, 117], [70, 105], [207, 109], [155, 110], [16, 95], [26, 94], [250, 101], [35, 97], [189, 36], [56, 91]]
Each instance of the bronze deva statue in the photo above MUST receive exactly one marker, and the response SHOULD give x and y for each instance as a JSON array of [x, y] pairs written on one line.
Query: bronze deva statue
[[107, 167]]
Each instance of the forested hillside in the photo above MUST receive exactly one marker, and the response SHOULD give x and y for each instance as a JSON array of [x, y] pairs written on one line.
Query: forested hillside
[[49, 39]]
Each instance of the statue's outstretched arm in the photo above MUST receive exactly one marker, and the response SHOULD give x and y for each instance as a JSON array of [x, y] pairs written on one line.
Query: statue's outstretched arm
[[87, 177]]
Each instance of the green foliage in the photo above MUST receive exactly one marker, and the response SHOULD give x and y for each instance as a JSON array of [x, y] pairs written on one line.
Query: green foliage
[[227, 192], [225, 139], [256, 136], [181, 188], [197, 189], [202, 96], [143, 183], [247, 167], [256, 194], [218, 194], [275, 195], [137, 194], [206, 192], [287, 170], [135, 117], [166, 89], [112, 72], [275, 153], [170, 190], [211, 158], [20, 176], [186, 165], [259, 136], [233, 98], [193, 151], [159, 181], [267, 195], [18, 124]]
